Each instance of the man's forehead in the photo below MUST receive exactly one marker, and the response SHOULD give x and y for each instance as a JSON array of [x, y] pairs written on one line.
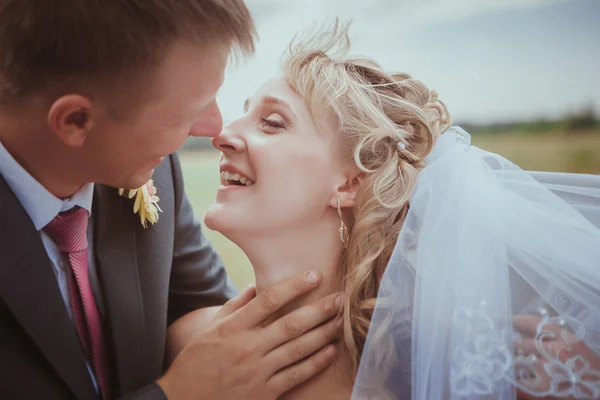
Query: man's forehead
[[189, 74]]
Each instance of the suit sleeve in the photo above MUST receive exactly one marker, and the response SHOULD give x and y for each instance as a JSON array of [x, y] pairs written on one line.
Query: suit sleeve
[[198, 277], [150, 392]]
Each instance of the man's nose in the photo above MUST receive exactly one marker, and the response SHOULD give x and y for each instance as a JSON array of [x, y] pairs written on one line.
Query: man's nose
[[210, 123]]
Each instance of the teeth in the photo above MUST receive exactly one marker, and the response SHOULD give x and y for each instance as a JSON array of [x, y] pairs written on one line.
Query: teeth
[[228, 176]]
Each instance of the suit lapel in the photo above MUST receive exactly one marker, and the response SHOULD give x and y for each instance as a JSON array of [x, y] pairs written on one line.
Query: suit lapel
[[117, 269], [29, 288]]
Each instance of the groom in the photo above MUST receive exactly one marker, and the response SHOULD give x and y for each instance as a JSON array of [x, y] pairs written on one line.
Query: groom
[[96, 96]]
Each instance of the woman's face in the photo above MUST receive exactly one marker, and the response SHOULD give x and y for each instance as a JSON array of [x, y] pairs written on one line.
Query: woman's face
[[278, 171]]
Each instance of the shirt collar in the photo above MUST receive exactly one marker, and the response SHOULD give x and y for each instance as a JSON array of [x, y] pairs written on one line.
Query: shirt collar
[[41, 205]]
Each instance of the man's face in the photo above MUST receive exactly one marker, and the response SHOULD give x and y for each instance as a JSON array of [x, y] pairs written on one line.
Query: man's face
[[180, 103]]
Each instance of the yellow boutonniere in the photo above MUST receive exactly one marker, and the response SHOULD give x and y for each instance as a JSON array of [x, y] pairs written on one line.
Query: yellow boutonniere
[[146, 202]]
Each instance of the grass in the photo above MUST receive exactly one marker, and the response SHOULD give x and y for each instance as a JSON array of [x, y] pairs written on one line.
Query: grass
[[551, 152], [201, 176], [573, 152]]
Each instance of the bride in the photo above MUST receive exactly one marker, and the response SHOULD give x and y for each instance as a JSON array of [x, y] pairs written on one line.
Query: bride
[[463, 276]]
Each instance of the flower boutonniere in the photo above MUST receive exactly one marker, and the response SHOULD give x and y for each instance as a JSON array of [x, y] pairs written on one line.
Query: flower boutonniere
[[146, 202]]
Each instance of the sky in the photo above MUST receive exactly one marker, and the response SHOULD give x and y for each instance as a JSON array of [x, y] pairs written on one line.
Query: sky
[[489, 60]]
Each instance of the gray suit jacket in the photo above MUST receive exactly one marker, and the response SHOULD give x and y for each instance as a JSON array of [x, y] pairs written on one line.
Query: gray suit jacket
[[147, 278]]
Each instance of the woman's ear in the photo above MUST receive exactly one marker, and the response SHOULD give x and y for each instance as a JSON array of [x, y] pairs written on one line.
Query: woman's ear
[[346, 192], [70, 119]]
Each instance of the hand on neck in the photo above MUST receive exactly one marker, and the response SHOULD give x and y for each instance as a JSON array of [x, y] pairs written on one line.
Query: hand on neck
[[280, 254]]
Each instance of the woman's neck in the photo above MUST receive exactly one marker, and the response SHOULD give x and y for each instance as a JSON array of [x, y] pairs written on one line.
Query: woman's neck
[[280, 255]]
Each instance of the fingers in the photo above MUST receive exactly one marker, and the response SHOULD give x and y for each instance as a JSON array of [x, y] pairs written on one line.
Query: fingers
[[301, 320], [272, 299], [532, 376], [528, 325], [300, 348], [237, 302], [555, 349], [291, 377], [533, 373], [529, 364], [527, 347], [549, 340]]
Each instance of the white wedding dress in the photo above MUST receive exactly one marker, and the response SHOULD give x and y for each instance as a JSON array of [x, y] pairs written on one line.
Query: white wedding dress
[[493, 289]]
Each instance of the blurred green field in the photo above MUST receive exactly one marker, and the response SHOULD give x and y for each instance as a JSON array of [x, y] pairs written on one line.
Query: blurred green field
[[546, 152]]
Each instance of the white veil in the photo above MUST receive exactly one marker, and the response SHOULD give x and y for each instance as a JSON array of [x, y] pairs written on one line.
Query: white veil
[[493, 288]]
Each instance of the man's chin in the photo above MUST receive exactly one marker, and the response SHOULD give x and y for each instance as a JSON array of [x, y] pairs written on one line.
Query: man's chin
[[136, 181]]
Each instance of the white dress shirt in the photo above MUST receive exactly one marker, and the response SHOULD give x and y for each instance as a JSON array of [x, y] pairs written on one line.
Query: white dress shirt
[[42, 206]]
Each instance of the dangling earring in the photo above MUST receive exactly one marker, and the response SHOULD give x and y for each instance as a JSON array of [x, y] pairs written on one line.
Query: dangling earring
[[344, 235]]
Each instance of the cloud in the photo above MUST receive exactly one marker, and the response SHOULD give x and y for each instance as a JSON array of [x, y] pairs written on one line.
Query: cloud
[[407, 13], [433, 39]]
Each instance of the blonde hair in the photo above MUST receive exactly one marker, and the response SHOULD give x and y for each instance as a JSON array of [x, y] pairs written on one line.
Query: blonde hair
[[374, 111]]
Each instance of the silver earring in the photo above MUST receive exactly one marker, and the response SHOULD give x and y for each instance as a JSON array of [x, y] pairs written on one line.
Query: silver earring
[[344, 235]]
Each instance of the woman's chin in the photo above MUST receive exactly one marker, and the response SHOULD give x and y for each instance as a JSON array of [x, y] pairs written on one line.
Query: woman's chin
[[218, 219], [211, 218]]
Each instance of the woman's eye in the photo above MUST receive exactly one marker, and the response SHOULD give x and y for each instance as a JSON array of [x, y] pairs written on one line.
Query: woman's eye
[[273, 121]]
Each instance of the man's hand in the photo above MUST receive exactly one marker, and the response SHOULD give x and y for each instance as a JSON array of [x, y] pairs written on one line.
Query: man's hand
[[187, 327], [236, 357], [560, 350]]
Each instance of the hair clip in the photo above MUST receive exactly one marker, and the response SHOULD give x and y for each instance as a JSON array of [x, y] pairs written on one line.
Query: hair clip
[[401, 146]]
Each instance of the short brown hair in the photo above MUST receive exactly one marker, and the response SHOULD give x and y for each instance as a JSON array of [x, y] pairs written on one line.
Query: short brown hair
[[57, 46]]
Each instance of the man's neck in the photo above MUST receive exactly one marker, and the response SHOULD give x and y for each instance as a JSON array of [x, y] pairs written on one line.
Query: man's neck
[[38, 152]]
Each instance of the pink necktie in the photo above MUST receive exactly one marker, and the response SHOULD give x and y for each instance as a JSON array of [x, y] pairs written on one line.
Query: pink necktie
[[68, 230]]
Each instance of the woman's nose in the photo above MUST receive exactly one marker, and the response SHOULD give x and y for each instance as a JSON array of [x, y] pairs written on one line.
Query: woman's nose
[[228, 141]]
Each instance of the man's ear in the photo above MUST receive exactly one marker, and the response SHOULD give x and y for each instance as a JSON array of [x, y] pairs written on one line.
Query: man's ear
[[70, 119], [346, 192]]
